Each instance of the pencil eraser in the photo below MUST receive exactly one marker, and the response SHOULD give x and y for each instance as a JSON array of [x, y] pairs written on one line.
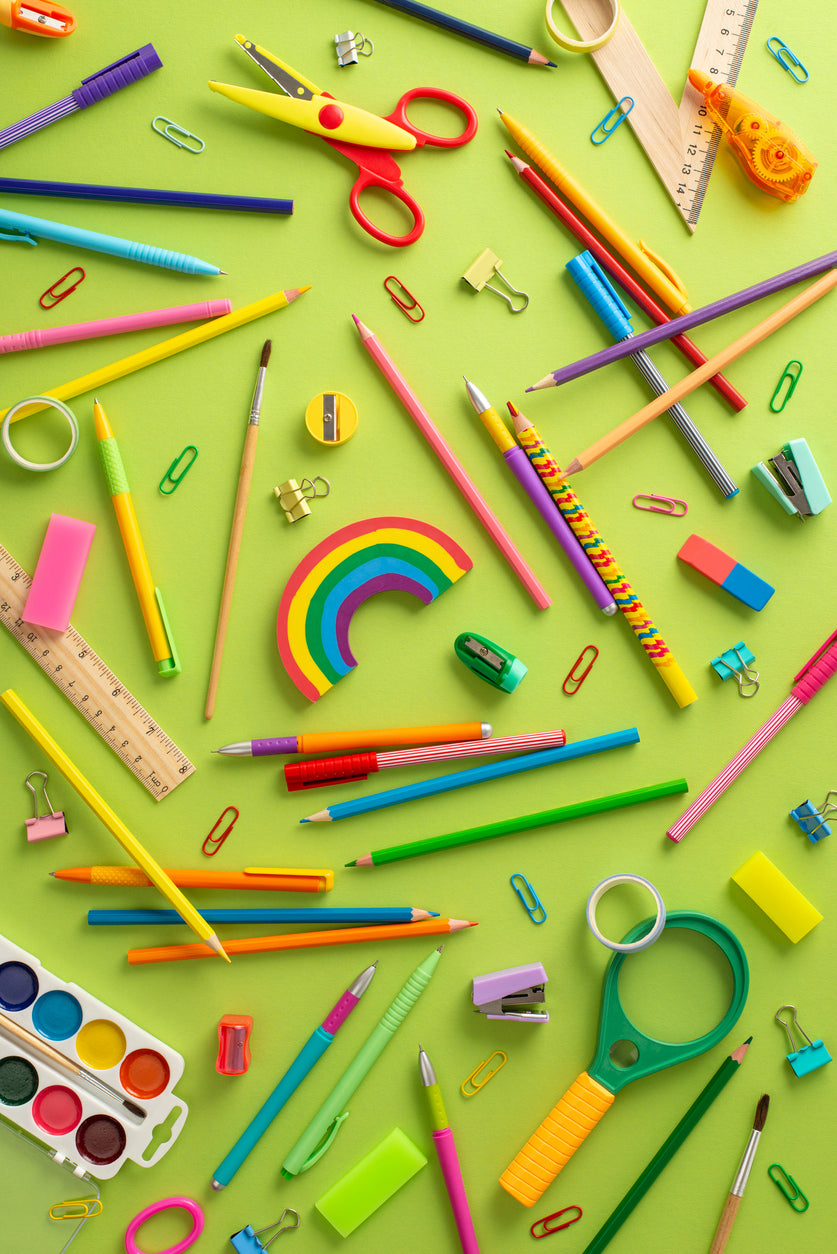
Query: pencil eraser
[[777, 897], [369, 1184], [726, 572], [57, 576]]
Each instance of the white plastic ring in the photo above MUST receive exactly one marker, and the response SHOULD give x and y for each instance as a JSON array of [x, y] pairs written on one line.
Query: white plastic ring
[[599, 892], [578, 45], [52, 404]]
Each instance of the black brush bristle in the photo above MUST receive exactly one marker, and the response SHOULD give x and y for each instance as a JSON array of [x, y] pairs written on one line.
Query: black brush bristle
[[761, 1113], [268, 345]]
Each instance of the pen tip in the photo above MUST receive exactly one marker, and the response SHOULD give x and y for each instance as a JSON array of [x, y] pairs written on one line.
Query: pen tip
[[217, 1186]]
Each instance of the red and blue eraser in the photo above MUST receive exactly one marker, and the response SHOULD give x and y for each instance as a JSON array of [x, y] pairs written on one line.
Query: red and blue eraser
[[726, 572]]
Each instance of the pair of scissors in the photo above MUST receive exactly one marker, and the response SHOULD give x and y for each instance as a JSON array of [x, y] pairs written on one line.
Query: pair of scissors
[[365, 138]]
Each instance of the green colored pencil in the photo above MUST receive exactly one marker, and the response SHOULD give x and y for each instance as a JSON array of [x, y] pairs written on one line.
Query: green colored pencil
[[668, 1149], [577, 810]]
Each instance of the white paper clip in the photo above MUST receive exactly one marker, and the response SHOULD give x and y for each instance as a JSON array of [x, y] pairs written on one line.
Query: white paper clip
[[349, 45], [487, 266], [52, 823]]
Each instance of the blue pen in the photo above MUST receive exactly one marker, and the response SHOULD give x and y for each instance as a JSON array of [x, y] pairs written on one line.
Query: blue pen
[[22, 226], [282, 914], [476, 775], [308, 1056]]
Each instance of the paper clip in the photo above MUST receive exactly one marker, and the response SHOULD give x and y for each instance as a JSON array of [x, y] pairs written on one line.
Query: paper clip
[[61, 295], [806, 1058], [213, 843], [79, 1208], [171, 131], [396, 296], [788, 60], [486, 267], [793, 378], [797, 1194], [349, 45], [662, 504], [547, 1228], [611, 120], [531, 907], [169, 477], [53, 822], [812, 821], [736, 661], [478, 1081], [247, 1241], [575, 678]]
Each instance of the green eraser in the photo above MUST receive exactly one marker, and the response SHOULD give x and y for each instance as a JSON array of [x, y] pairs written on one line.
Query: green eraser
[[368, 1185], [777, 897]]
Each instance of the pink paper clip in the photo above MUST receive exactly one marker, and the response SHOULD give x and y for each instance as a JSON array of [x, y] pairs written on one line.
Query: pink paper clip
[[545, 1225], [661, 504], [399, 293], [573, 676], [213, 843], [61, 295]]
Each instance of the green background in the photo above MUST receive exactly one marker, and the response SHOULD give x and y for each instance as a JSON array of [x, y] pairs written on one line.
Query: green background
[[407, 673]]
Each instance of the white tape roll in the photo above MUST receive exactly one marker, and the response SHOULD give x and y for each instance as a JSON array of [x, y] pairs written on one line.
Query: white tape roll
[[599, 892]]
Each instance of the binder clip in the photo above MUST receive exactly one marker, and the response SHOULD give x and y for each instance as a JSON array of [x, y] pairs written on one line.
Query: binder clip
[[349, 45], [512, 994], [489, 661], [811, 1056], [797, 485], [53, 823], [477, 1080], [294, 497], [487, 266], [813, 821], [736, 661], [247, 1241], [233, 1044]]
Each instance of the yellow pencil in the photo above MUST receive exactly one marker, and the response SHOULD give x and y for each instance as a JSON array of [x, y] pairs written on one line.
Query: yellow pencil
[[112, 822]]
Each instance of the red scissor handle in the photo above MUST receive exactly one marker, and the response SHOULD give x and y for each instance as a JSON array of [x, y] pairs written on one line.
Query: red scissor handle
[[399, 117]]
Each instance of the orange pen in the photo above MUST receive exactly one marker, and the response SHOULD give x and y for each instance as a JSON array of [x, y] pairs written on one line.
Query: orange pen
[[281, 879], [339, 742]]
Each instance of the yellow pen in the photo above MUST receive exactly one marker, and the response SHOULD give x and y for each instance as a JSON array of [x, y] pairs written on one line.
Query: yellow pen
[[151, 603], [659, 277]]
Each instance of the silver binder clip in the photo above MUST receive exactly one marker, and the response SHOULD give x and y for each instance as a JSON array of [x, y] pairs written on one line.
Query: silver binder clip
[[350, 45], [487, 266], [52, 823]]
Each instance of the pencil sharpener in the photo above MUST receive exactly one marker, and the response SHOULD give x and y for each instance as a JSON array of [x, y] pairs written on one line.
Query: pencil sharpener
[[233, 1044], [331, 418], [496, 665]]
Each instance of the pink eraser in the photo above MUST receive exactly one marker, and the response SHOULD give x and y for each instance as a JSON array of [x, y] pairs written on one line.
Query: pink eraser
[[706, 558], [57, 576]]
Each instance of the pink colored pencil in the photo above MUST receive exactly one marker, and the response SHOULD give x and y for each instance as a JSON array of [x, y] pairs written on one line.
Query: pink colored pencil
[[451, 464], [20, 340]]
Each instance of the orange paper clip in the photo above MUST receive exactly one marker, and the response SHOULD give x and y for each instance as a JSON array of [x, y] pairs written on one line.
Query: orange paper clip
[[400, 292], [661, 504], [478, 1081], [576, 678], [60, 295], [213, 843], [547, 1228]]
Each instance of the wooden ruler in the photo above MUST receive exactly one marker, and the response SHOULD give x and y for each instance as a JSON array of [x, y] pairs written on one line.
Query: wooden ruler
[[110, 709], [681, 142]]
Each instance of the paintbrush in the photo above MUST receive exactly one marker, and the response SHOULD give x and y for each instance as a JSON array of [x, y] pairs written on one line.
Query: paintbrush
[[740, 1182]]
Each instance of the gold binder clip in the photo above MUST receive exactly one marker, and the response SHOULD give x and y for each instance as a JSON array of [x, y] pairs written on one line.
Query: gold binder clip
[[294, 497], [487, 266], [478, 1081]]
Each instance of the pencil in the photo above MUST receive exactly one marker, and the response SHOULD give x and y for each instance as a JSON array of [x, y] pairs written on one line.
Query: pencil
[[305, 940], [476, 33], [739, 1184], [732, 352], [113, 823], [367, 916], [245, 474]]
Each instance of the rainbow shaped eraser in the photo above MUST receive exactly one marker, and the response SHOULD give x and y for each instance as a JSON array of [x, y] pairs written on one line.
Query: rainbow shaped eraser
[[328, 586], [726, 572]]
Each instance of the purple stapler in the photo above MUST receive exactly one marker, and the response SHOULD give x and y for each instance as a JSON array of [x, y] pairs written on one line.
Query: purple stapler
[[512, 994]]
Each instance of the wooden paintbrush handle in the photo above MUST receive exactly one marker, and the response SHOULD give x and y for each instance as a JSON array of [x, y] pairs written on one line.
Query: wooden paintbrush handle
[[725, 1224]]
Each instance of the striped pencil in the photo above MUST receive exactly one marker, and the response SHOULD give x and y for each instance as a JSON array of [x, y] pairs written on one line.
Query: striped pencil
[[594, 546]]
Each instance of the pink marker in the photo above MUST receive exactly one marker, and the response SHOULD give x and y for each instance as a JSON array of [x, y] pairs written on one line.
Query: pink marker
[[20, 340], [448, 1159]]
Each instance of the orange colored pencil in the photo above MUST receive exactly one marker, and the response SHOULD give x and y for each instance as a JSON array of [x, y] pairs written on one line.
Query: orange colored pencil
[[304, 940]]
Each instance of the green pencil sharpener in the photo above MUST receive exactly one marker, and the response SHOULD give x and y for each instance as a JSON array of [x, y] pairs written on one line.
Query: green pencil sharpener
[[490, 661]]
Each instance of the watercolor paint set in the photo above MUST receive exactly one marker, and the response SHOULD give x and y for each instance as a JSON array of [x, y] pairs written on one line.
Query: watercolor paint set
[[80, 1077]]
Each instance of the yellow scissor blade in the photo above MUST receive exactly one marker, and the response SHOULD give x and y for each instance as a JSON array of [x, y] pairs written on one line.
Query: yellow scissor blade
[[322, 116]]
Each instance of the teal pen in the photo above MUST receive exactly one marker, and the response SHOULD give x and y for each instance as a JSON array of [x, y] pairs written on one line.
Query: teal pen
[[325, 1125], [311, 1052], [268, 914], [22, 227]]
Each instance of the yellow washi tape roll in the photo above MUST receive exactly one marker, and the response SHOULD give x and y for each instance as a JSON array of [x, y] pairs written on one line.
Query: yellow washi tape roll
[[578, 45]]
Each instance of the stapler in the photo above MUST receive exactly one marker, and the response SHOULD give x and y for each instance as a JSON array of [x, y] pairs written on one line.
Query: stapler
[[797, 484], [512, 994]]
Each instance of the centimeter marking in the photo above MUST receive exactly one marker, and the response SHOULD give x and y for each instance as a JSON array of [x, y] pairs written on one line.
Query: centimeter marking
[[81, 675]]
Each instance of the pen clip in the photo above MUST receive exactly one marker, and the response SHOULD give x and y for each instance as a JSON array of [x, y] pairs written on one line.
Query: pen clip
[[806, 668], [325, 1143], [171, 664], [664, 269], [18, 237]]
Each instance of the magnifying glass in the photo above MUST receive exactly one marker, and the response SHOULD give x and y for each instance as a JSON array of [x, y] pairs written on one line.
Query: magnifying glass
[[623, 1053]]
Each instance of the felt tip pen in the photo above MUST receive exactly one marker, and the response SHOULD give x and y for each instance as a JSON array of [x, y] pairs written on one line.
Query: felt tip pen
[[337, 742]]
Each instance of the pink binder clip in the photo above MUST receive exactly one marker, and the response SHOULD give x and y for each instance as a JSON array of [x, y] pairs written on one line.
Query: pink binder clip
[[52, 823], [661, 504]]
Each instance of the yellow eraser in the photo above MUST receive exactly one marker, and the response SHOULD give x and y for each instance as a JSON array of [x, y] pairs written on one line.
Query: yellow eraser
[[776, 896]]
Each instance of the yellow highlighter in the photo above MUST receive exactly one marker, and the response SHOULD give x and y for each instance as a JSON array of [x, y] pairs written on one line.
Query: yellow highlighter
[[151, 603]]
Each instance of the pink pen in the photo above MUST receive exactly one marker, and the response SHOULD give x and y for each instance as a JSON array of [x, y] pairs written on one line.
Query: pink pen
[[446, 1150], [814, 674], [20, 340]]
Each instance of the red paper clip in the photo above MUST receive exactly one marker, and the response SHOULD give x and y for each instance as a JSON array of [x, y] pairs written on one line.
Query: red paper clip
[[661, 504], [396, 296], [578, 680], [556, 1227], [213, 843], [59, 296]]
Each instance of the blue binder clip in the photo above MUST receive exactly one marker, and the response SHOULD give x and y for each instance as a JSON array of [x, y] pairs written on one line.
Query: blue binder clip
[[736, 661], [797, 484], [813, 821], [811, 1056], [247, 1241]]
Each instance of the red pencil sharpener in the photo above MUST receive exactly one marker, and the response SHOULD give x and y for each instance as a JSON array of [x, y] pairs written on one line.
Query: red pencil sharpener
[[233, 1044]]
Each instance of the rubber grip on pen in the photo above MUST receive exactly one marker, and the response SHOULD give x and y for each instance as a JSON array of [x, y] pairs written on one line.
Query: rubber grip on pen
[[318, 772], [552, 1145], [112, 79]]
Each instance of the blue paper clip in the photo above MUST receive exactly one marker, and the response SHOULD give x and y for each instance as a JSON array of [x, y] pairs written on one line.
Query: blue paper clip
[[247, 1241], [787, 59], [797, 1194], [532, 908], [811, 1056], [171, 131], [611, 120], [813, 821]]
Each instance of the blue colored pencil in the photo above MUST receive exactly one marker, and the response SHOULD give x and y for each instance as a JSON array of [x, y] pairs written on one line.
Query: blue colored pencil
[[303, 914], [476, 775], [460, 27], [146, 195]]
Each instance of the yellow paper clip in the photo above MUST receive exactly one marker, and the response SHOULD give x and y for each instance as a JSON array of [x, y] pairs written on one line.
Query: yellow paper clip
[[547, 1227], [574, 677], [797, 1194], [400, 292], [169, 476], [534, 907], [611, 120], [487, 266], [661, 504], [213, 843], [478, 1082], [788, 60], [79, 1208], [789, 378], [61, 294], [176, 134]]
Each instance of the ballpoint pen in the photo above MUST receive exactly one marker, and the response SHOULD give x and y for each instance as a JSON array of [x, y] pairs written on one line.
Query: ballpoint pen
[[310, 1054], [151, 603], [260, 879], [448, 1159], [339, 742]]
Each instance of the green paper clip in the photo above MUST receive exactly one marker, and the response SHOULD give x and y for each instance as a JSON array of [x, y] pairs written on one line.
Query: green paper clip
[[169, 477], [797, 1195]]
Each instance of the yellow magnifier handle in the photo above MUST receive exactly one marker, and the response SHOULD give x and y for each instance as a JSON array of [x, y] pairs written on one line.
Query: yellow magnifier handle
[[553, 1144]]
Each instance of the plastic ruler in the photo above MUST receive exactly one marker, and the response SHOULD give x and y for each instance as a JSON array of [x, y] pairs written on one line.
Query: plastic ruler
[[81, 675], [680, 142]]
